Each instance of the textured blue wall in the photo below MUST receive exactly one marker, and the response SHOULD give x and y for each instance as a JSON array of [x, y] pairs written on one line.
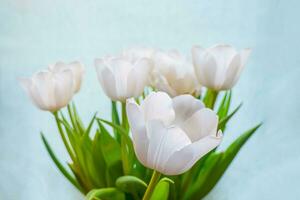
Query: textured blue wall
[[34, 33]]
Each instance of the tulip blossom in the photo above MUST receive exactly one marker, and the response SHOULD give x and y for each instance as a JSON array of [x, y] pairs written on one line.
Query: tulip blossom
[[174, 74], [136, 53], [77, 70], [170, 135], [219, 67], [49, 90], [121, 79]]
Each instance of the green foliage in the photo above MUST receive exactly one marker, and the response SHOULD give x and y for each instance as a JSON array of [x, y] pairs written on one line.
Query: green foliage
[[59, 165], [161, 190], [105, 194], [215, 165], [132, 185], [104, 165]]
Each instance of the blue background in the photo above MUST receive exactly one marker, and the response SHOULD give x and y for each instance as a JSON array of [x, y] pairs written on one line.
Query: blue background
[[34, 33]]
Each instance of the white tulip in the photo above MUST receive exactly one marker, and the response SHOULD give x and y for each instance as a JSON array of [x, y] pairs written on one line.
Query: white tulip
[[121, 79], [174, 74], [49, 90], [136, 53], [219, 67], [77, 70], [170, 135]]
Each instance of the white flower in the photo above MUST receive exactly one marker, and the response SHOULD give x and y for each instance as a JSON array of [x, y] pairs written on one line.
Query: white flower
[[174, 74], [121, 79], [170, 135], [219, 67], [135, 53], [77, 70], [49, 90]]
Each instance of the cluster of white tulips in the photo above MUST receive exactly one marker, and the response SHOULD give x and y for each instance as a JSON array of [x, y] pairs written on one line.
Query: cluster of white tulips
[[167, 118]]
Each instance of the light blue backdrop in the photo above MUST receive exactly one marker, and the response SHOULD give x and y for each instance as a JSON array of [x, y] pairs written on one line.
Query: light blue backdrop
[[34, 33]]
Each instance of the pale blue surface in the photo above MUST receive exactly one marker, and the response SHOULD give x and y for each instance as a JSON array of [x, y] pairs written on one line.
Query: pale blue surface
[[34, 33]]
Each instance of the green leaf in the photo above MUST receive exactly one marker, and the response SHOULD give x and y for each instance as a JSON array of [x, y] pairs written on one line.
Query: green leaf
[[59, 165], [78, 121], [161, 190], [87, 131], [216, 165], [98, 160], [225, 104], [105, 194], [115, 119], [223, 121], [132, 185], [127, 150], [111, 153]]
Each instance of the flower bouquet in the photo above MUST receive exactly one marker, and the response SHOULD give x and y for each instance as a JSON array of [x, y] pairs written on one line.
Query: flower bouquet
[[161, 141]]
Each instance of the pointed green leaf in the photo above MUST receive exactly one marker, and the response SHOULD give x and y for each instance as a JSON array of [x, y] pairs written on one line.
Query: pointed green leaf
[[223, 121], [59, 165], [78, 121], [98, 159], [161, 190], [115, 119], [218, 167], [127, 150], [225, 104], [87, 131], [105, 194], [111, 153], [132, 185]]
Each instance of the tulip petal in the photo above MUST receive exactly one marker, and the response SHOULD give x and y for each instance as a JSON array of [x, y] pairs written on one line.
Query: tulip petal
[[200, 124], [232, 72], [106, 79], [44, 88], [121, 68], [78, 71], [163, 142], [185, 106], [158, 105], [223, 54], [27, 85], [205, 66], [63, 88], [244, 54], [138, 129], [138, 77], [184, 159], [162, 84]]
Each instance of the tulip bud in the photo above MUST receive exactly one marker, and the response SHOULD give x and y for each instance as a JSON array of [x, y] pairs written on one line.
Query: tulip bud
[[219, 67], [121, 79], [174, 74], [49, 90], [77, 70], [170, 135]]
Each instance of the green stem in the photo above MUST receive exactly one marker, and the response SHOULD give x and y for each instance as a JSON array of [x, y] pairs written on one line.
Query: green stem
[[210, 98], [124, 117], [154, 179], [63, 137]]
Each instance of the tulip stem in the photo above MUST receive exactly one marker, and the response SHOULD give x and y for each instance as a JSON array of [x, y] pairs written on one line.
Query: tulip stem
[[124, 117], [63, 137], [210, 98], [154, 179]]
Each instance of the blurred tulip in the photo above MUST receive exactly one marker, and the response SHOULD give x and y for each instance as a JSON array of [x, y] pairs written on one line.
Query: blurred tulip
[[77, 70], [49, 90], [174, 74], [170, 135], [121, 79], [135, 53], [219, 67]]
